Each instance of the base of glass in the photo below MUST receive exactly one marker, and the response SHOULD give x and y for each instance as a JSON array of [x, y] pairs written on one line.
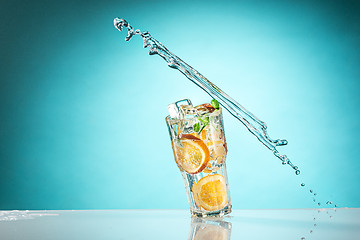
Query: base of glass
[[218, 213]]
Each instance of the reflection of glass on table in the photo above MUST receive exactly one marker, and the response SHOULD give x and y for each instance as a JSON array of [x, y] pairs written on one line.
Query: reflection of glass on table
[[209, 229]]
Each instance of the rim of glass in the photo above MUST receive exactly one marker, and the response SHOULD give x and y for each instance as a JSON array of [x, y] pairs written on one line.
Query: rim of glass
[[170, 120]]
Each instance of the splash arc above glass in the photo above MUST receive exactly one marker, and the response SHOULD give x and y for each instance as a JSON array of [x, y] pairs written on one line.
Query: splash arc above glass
[[257, 127]]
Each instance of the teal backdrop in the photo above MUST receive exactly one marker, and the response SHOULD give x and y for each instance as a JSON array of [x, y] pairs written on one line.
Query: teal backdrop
[[82, 110]]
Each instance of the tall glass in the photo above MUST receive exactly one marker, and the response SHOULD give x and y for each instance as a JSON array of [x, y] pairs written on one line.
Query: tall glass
[[199, 146]]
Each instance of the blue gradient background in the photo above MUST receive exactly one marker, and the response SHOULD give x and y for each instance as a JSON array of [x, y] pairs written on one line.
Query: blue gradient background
[[82, 111]]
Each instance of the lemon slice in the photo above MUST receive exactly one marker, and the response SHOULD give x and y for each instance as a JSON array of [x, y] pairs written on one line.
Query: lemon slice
[[191, 153], [210, 192]]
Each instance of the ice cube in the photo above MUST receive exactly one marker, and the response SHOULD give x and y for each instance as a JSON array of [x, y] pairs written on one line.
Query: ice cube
[[182, 109], [173, 110], [188, 111]]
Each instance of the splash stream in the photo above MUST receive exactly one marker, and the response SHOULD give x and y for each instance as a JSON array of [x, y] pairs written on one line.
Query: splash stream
[[251, 122]]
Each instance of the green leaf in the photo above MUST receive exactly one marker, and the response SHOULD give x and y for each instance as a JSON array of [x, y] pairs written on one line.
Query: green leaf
[[196, 127], [203, 126], [204, 120], [215, 104]]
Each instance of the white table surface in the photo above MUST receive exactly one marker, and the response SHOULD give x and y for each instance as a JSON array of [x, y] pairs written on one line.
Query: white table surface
[[342, 223]]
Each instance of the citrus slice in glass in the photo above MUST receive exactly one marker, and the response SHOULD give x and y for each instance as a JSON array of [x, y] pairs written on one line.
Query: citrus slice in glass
[[191, 153], [210, 192]]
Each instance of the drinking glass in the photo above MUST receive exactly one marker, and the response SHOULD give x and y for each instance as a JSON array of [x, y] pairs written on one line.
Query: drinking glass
[[199, 145]]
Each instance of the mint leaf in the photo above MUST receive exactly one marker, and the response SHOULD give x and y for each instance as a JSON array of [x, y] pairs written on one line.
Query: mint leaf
[[215, 104], [203, 126], [196, 127], [204, 120]]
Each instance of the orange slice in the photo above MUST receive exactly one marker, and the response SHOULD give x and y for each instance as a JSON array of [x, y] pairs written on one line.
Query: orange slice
[[210, 192], [191, 153]]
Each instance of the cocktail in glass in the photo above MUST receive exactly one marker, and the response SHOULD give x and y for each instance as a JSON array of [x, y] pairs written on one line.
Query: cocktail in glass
[[199, 146]]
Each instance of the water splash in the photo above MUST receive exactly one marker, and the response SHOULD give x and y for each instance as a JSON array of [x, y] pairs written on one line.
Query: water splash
[[251, 122]]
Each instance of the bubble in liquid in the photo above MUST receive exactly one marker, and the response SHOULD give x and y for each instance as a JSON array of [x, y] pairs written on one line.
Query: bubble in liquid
[[311, 191], [302, 238], [311, 231], [319, 204], [335, 205], [297, 172], [303, 184], [315, 194], [314, 224]]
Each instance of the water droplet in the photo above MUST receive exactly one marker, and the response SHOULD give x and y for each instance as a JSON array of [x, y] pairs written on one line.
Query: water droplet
[[311, 191], [315, 194], [314, 219], [303, 184], [297, 172], [319, 204], [335, 205], [311, 231], [314, 199], [302, 238]]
